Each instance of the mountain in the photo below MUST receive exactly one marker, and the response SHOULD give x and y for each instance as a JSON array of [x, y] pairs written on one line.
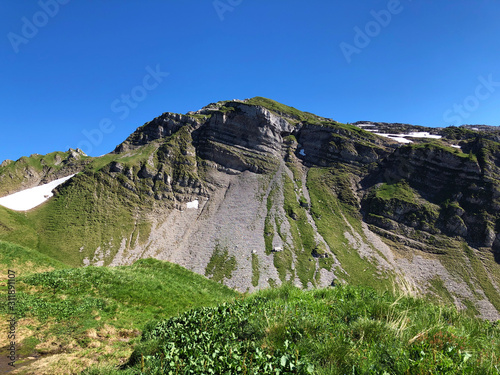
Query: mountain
[[253, 193]]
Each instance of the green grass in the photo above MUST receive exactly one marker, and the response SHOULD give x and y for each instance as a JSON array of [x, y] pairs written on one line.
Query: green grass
[[226, 109], [400, 190], [92, 210], [268, 221], [268, 234], [282, 109], [221, 265], [341, 330], [25, 261], [121, 293], [14, 174], [482, 274], [255, 270], [437, 145], [327, 211], [302, 233], [92, 312], [193, 325]]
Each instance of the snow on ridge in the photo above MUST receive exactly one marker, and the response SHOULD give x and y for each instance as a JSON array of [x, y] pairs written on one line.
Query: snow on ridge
[[401, 138], [30, 198], [395, 137], [422, 135]]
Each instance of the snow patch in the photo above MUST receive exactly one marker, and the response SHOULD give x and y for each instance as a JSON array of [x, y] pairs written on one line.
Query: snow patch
[[401, 138], [30, 198], [194, 204], [395, 137], [422, 135], [456, 146]]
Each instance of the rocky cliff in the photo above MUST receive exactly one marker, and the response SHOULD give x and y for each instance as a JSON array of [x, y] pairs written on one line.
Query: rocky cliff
[[254, 193]]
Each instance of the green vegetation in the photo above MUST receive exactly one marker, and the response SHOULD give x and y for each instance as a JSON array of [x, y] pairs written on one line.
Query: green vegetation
[[177, 155], [282, 109], [268, 234], [255, 270], [341, 330], [399, 202], [459, 133], [118, 293], [13, 174], [95, 314], [268, 222], [200, 117], [25, 261], [400, 190], [437, 145], [330, 215], [484, 275], [221, 265], [302, 232], [227, 108], [100, 213]]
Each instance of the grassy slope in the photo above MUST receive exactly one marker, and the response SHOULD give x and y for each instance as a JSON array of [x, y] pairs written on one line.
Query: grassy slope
[[95, 314], [95, 209], [13, 174], [92, 210], [25, 261], [327, 208], [337, 330]]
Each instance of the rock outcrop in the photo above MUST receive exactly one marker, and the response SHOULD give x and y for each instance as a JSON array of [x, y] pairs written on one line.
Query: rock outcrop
[[222, 188]]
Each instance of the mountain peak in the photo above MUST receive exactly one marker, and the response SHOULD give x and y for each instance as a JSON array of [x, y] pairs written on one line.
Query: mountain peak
[[254, 193]]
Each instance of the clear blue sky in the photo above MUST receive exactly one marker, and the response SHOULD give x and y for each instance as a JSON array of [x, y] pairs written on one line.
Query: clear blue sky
[[432, 63]]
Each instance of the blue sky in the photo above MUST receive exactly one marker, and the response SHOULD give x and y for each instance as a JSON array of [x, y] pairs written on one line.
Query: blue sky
[[88, 73]]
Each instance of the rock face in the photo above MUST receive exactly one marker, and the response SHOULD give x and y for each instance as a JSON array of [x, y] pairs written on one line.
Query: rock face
[[38, 169], [221, 189]]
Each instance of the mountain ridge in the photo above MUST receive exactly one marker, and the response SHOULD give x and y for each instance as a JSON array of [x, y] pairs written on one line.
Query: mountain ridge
[[285, 195]]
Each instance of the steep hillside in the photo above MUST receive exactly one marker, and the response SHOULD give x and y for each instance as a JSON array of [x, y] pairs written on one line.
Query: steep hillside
[[341, 330], [69, 319], [28, 172], [254, 193]]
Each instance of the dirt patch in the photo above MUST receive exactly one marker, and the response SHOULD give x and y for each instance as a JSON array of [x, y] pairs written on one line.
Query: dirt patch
[[21, 362]]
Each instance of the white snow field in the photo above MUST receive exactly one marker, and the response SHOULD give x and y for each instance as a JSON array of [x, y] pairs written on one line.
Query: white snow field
[[401, 138], [30, 198], [194, 204]]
